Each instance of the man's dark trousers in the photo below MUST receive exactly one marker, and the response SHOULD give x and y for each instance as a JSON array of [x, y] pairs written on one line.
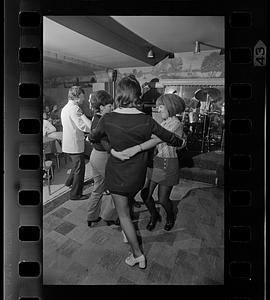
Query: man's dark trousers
[[76, 176]]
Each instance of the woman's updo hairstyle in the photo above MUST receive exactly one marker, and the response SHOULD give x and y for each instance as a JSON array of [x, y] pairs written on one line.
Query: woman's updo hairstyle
[[128, 92]]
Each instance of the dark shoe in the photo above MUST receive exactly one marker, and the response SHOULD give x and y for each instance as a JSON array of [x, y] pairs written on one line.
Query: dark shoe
[[169, 224], [113, 222], [153, 221], [117, 222], [82, 197], [110, 222], [89, 223]]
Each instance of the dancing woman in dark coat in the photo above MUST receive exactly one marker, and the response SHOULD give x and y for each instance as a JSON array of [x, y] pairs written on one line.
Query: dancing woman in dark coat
[[126, 127]]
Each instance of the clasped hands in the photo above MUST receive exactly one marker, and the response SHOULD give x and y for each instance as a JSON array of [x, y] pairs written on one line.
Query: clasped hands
[[127, 153]]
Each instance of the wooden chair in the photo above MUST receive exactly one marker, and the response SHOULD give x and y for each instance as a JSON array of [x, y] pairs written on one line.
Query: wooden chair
[[48, 168], [58, 153]]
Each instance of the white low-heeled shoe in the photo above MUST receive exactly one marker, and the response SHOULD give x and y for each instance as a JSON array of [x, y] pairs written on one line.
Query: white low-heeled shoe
[[131, 261], [125, 240]]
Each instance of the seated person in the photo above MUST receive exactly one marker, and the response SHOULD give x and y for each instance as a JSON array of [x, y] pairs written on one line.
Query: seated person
[[49, 130], [47, 112], [47, 126], [55, 118]]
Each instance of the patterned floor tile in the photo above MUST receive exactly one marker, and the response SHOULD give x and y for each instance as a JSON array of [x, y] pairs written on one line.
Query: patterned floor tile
[[218, 252], [207, 220], [205, 281], [54, 267], [166, 238], [52, 241], [190, 207], [72, 205], [192, 245], [65, 227], [192, 253], [81, 233], [74, 274], [49, 245], [181, 276], [50, 223], [68, 248], [186, 260], [77, 217], [100, 237], [100, 276], [158, 274], [50, 206], [165, 255], [87, 256], [61, 212], [84, 206], [123, 280], [110, 260]]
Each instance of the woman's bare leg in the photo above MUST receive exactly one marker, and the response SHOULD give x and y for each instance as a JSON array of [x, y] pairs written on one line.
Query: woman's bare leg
[[122, 208]]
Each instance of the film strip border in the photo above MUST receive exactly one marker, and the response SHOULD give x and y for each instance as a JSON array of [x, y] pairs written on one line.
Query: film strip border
[[244, 158]]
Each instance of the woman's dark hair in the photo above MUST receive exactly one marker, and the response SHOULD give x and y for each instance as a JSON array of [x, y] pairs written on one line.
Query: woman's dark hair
[[128, 91], [173, 103], [100, 98]]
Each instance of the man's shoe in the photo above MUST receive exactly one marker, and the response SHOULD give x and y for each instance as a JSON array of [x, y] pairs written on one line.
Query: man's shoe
[[117, 222], [82, 197], [109, 222], [89, 223], [112, 222]]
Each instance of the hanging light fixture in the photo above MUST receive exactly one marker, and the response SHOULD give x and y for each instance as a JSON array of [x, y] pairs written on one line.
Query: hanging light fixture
[[198, 48], [150, 54], [222, 51]]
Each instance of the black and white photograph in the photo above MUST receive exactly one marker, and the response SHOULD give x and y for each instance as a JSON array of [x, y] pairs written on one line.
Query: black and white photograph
[[133, 150]]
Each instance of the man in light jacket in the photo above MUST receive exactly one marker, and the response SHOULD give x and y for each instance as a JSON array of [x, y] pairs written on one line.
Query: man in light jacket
[[75, 123]]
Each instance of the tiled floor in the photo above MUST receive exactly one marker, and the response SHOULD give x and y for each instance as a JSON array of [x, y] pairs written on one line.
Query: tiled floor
[[191, 253], [57, 184]]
